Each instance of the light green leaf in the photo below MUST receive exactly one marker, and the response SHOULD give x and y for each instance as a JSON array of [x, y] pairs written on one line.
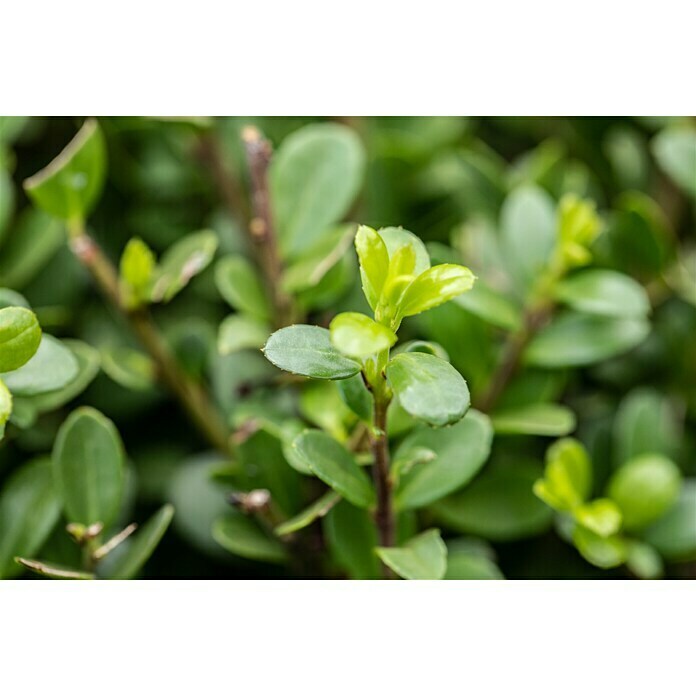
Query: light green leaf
[[471, 560], [499, 505], [574, 340], [307, 350], [88, 463], [29, 510], [239, 283], [428, 388], [181, 262], [374, 263], [605, 293], [68, 188], [567, 478], [243, 537], [675, 151], [601, 552], [358, 336], [335, 466], [314, 177], [318, 509], [5, 407], [130, 368], [434, 287], [674, 534], [142, 545], [12, 298], [20, 336], [645, 488], [241, 332], [422, 558], [460, 452], [396, 237], [644, 561], [52, 367], [601, 516], [54, 570], [321, 404], [491, 306], [534, 419], [422, 347], [137, 269]]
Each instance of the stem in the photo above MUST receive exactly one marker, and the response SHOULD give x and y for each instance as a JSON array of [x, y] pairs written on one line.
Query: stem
[[384, 516], [189, 393], [261, 228]]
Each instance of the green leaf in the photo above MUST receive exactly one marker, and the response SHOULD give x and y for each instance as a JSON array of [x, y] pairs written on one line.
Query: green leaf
[[499, 505], [181, 262], [137, 269], [675, 151], [574, 340], [130, 368], [428, 388], [674, 534], [68, 188], [422, 558], [578, 227], [29, 510], [5, 407], [20, 336], [471, 560], [52, 367], [374, 263], [335, 466], [567, 478], [88, 462], [12, 298], [601, 552], [534, 419], [422, 347], [142, 545], [239, 283], [644, 561], [605, 293], [318, 509], [54, 570], [601, 516], [491, 306], [358, 336], [528, 233], [645, 488], [351, 537], [460, 452], [321, 404], [314, 177], [356, 396], [243, 537], [307, 350], [396, 238], [241, 332], [434, 287]]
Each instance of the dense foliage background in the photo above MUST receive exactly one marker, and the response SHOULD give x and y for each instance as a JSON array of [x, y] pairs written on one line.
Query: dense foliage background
[[478, 191]]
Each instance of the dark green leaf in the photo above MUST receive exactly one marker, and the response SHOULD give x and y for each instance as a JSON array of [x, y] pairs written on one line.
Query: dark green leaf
[[674, 534], [318, 509], [351, 537], [243, 537], [356, 396]]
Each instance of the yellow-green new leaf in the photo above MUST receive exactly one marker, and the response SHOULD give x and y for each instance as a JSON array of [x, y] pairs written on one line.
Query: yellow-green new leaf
[[568, 476], [68, 188], [20, 336], [422, 558], [374, 263], [434, 287], [358, 336], [601, 516], [5, 407], [137, 268]]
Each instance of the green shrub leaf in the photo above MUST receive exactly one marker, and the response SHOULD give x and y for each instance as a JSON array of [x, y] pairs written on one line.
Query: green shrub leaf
[[20, 336], [601, 516], [318, 509], [534, 419], [675, 150], [374, 263], [239, 283], [422, 558], [358, 336], [434, 287], [603, 552], [5, 407], [243, 537], [241, 332], [567, 478], [674, 534]]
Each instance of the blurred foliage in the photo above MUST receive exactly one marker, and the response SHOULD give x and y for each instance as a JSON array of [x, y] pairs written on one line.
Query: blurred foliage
[[582, 235]]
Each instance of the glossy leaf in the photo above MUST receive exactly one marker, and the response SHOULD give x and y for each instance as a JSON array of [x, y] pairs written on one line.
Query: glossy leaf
[[428, 388], [137, 269], [358, 336], [318, 509], [674, 534], [243, 537], [239, 283], [396, 237], [574, 340], [335, 466], [241, 332], [460, 452], [434, 287], [29, 510], [69, 187], [567, 478], [374, 263], [605, 293], [20, 336], [52, 367], [314, 177], [601, 516], [88, 463], [645, 488], [603, 552], [422, 558], [307, 350], [534, 419], [142, 545]]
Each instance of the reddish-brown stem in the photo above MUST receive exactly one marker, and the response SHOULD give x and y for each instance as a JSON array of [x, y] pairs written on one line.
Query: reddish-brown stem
[[384, 515]]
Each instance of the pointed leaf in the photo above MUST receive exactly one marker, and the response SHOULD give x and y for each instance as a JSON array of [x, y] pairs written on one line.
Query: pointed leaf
[[434, 287], [422, 558], [318, 509], [374, 263]]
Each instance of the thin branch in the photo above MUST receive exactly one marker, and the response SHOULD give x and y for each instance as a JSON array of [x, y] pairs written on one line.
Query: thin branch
[[190, 394], [384, 516]]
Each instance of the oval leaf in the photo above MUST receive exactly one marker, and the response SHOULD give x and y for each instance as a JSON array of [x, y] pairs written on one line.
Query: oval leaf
[[534, 419], [20, 336], [239, 283], [434, 287], [422, 558], [358, 336], [243, 537]]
